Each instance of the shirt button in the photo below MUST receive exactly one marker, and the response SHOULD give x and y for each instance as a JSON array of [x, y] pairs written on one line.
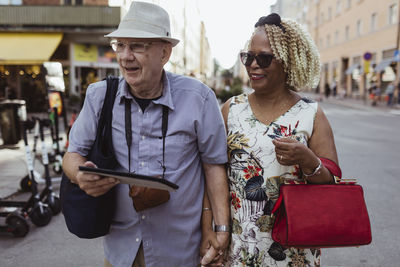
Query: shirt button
[[143, 137], [137, 239], [139, 110], [142, 163], [143, 217]]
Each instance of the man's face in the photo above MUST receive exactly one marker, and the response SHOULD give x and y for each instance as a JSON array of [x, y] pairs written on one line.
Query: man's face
[[141, 61]]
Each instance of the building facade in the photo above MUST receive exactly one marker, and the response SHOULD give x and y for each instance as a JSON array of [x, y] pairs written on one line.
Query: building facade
[[68, 31], [294, 9], [357, 40]]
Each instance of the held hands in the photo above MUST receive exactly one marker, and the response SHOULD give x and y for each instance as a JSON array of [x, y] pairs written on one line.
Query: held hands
[[213, 248], [92, 184]]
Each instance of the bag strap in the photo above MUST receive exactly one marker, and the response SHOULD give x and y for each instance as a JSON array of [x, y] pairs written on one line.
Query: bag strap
[[277, 203], [105, 119], [128, 132]]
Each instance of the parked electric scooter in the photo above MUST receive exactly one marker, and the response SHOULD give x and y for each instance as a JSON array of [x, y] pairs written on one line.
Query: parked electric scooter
[[56, 158], [39, 213], [16, 223], [47, 196], [25, 183]]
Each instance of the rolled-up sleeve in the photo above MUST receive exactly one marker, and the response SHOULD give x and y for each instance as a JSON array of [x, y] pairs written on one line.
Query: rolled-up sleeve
[[211, 134], [83, 131]]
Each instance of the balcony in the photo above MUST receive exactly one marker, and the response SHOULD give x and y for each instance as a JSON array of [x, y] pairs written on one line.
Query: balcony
[[59, 16]]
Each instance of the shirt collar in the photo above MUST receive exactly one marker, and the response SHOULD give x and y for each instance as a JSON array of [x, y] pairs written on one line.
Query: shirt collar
[[165, 99]]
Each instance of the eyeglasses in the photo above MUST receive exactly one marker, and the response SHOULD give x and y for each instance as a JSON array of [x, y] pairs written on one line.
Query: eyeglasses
[[263, 60], [136, 47]]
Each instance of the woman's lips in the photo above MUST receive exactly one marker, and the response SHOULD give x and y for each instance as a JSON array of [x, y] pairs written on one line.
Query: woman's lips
[[255, 77]]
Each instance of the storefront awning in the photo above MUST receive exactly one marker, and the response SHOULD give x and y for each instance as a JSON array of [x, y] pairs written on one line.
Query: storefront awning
[[383, 64], [27, 48], [352, 68]]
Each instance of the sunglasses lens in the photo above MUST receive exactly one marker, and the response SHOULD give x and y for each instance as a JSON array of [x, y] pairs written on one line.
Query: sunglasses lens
[[246, 58], [264, 60]]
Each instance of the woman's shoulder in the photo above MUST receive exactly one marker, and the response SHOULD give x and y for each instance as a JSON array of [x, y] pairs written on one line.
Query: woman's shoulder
[[309, 103], [238, 99]]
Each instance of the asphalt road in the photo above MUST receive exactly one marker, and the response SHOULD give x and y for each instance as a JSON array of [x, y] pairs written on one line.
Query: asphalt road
[[368, 143]]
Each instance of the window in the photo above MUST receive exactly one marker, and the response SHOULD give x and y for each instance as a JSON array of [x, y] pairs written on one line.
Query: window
[[336, 37], [373, 21], [329, 13], [393, 14], [348, 4], [328, 40], [359, 27], [321, 42], [338, 7], [10, 2], [322, 18], [347, 32]]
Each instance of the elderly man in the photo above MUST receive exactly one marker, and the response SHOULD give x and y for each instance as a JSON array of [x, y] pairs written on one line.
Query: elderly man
[[195, 148]]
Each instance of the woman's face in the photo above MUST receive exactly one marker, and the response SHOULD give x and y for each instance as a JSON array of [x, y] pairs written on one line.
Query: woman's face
[[268, 78]]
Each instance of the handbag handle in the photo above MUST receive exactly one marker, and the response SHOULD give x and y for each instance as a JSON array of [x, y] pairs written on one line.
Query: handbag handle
[[277, 204]]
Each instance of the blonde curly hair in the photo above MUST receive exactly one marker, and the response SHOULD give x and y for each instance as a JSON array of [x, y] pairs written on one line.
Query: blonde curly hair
[[293, 45]]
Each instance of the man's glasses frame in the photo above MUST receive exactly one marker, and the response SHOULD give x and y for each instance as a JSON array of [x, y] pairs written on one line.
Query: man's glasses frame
[[135, 47], [263, 60]]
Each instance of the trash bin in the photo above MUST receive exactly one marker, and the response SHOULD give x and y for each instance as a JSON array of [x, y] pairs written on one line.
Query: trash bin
[[12, 113]]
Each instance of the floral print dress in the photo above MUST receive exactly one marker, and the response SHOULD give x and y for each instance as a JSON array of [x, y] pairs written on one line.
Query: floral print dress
[[254, 179]]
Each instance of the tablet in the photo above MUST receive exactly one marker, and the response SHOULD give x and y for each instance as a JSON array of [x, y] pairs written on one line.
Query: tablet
[[133, 178]]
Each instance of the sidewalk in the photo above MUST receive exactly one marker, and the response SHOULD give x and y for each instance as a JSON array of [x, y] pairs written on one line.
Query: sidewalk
[[355, 103]]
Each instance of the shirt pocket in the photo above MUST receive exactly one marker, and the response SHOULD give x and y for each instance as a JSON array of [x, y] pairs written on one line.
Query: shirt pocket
[[178, 150]]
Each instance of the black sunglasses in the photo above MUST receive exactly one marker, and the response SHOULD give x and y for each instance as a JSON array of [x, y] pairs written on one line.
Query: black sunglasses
[[263, 60]]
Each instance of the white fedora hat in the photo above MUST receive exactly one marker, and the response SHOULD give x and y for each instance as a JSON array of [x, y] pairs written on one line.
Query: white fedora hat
[[145, 20]]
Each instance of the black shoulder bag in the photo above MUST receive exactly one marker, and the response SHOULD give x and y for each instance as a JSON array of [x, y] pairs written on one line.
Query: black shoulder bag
[[87, 216]]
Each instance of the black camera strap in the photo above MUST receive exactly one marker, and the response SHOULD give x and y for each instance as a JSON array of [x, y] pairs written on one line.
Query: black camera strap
[[128, 131]]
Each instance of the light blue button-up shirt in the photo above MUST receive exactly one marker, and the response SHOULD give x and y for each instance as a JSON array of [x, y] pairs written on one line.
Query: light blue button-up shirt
[[170, 232]]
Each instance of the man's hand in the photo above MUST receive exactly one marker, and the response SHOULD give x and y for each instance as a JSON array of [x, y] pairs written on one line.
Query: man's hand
[[217, 249], [93, 184]]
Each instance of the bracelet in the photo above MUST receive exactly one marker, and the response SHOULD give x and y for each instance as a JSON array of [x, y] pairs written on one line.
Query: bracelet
[[316, 171], [222, 228], [206, 209]]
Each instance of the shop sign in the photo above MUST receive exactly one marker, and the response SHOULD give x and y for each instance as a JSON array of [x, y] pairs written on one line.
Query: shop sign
[[85, 53]]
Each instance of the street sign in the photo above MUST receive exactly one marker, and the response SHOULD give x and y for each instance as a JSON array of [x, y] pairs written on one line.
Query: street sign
[[367, 56], [396, 55]]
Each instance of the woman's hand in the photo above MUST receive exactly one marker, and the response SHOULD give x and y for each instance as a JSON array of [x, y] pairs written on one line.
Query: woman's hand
[[291, 152], [216, 247]]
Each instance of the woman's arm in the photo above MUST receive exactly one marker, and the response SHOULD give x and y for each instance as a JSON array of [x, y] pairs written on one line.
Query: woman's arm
[[321, 144]]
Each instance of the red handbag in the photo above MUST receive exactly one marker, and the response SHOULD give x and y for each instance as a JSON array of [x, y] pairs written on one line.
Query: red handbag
[[315, 216]]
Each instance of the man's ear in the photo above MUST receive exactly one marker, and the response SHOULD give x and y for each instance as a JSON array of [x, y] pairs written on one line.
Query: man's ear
[[166, 53]]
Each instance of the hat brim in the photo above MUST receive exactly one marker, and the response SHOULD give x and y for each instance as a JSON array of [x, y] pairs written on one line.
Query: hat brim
[[129, 33]]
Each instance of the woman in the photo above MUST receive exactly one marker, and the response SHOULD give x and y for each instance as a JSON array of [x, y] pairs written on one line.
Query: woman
[[274, 137]]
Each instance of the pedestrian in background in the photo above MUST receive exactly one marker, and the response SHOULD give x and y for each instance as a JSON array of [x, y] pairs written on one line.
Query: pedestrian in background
[[195, 148], [327, 90], [389, 92], [275, 137]]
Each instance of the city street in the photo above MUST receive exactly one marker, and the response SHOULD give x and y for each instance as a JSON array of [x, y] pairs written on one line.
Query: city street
[[368, 144]]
